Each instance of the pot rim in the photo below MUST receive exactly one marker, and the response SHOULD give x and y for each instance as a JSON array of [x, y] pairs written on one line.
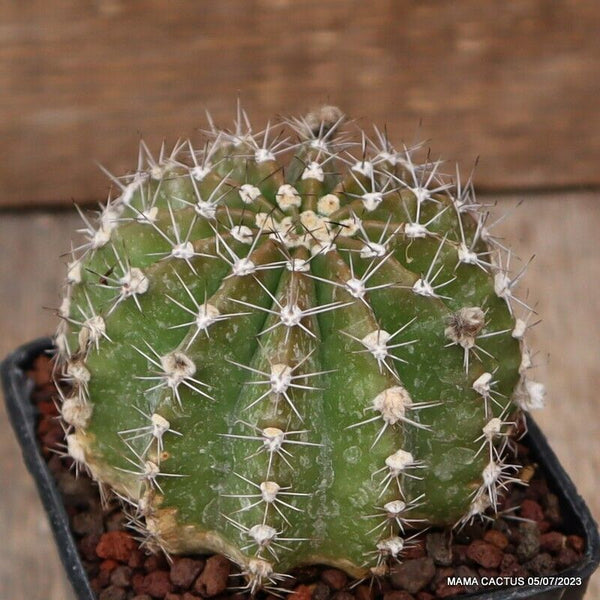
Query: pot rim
[[17, 391]]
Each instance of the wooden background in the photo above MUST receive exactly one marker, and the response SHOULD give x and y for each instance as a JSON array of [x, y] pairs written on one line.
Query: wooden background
[[516, 82]]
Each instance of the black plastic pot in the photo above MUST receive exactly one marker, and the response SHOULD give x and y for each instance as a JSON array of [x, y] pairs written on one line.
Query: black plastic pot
[[17, 391]]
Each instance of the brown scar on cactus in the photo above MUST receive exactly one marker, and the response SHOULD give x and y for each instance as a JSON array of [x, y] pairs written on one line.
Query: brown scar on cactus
[[294, 345]]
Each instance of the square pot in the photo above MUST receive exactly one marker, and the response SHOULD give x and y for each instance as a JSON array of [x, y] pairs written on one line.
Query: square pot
[[17, 391]]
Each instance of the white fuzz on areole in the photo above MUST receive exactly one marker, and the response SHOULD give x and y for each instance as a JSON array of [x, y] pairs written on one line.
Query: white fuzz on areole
[[464, 325], [266, 222], [328, 204], [199, 172], [356, 287], [76, 412], [74, 272], [373, 250], [248, 193], [184, 250], [75, 449], [269, 491], [132, 187], [391, 546], [519, 330], [177, 367], [148, 216], [242, 234], [298, 265], [206, 316], [100, 238], [273, 438], [376, 343], [394, 508], [316, 226], [392, 404], [77, 371], [399, 461], [150, 470], [371, 200], [243, 267], [65, 306], [502, 285], [492, 428], [133, 282], [262, 155], [109, 218], [287, 196], [291, 315], [423, 288], [349, 227], [467, 256], [415, 230], [159, 425], [206, 209], [91, 331], [313, 171], [389, 157], [280, 378], [491, 473], [482, 384], [364, 167], [322, 248], [530, 395], [526, 363], [262, 534]]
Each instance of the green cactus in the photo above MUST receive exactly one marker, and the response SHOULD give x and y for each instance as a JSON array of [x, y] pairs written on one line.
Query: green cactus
[[293, 350]]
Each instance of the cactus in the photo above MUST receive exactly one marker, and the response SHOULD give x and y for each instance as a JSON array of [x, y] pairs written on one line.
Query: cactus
[[294, 346]]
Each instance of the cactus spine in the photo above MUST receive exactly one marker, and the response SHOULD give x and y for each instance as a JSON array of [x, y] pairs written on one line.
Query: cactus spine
[[293, 350]]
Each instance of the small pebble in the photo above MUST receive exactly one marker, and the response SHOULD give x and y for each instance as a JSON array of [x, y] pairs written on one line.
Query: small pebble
[[121, 576], [542, 564], [412, 575], [497, 538], [213, 579], [485, 554], [334, 578], [184, 571], [552, 542], [301, 592], [112, 592], [567, 557], [530, 509], [157, 584], [321, 591], [398, 595], [529, 541], [117, 545], [438, 548], [576, 542]]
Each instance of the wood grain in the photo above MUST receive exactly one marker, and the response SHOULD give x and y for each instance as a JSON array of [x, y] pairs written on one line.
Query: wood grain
[[561, 230], [515, 82]]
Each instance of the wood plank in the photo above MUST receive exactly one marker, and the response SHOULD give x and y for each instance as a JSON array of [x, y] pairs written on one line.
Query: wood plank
[[562, 278], [516, 83]]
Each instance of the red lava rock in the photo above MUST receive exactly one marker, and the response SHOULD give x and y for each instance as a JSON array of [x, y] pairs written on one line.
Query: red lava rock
[[415, 550], [141, 597], [185, 570], [121, 576], [576, 542], [459, 553], [542, 564], [425, 596], [302, 592], [136, 559], [438, 548], [87, 546], [321, 591], [497, 538], [553, 542], [567, 557], [172, 596], [137, 583], [544, 526], [83, 523], [213, 579], [101, 580], [443, 590], [552, 509], [334, 578], [485, 554], [108, 565], [117, 545], [342, 596], [189, 596], [364, 592], [48, 408], [398, 595], [413, 575], [530, 509], [157, 584], [155, 562], [112, 592]]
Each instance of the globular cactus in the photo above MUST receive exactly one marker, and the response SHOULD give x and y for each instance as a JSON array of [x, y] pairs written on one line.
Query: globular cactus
[[294, 347]]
